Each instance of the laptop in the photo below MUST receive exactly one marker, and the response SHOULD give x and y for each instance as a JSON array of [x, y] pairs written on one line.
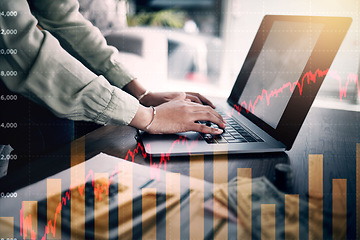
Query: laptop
[[273, 92]]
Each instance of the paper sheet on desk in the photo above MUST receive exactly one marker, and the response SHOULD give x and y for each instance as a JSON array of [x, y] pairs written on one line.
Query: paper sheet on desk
[[119, 194], [122, 173], [132, 179]]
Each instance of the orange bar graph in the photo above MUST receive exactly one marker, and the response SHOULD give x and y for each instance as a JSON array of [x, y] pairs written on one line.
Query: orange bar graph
[[220, 175], [244, 172], [77, 173], [196, 169], [268, 221], [292, 210], [339, 208], [6, 227], [53, 196], [173, 187], [220, 166], [316, 192], [30, 224], [196, 173], [149, 211], [101, 195], [125, 201], [244, 190]]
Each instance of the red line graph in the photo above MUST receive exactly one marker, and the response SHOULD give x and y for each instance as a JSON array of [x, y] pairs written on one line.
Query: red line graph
[[26, 223], [352, 77], [307, 78], [165, 157]]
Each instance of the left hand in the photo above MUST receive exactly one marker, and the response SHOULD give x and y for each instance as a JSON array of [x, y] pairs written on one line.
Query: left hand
[[157, 98]]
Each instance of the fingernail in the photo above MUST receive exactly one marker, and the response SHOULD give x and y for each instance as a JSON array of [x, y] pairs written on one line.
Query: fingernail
[[219, 131], [223, 125]]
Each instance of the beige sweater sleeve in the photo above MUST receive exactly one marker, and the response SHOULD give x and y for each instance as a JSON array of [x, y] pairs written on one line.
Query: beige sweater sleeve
[[49, 75]]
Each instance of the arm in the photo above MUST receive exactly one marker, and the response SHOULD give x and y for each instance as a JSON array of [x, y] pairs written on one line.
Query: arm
[[50, 76], [85, 41], [80, 38]]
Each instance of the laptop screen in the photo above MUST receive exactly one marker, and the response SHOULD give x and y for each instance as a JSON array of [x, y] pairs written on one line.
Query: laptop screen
[[277, 69]]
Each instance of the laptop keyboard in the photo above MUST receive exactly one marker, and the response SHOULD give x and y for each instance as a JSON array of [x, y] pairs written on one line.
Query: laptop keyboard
[[234, 132]]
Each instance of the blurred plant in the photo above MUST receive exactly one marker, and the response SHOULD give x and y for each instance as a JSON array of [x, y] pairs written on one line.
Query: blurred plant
[[163, 18]]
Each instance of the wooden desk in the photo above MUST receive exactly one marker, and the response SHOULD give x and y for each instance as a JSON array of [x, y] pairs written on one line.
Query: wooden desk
[[334, 134]]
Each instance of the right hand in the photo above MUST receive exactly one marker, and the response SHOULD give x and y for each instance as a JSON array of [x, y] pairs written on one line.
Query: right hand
[[179, 116]]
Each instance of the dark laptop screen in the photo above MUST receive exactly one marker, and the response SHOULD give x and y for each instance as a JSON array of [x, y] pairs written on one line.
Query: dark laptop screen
[[278, 67]]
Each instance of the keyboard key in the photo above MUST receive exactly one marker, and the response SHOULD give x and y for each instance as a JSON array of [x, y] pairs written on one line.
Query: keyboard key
[[246, 135], [233, 132], [239, 129], [237, 136], [226, 134], [250, 139], [229, 138], [258, 138], [237, 141], [220, 139], [209, 138]]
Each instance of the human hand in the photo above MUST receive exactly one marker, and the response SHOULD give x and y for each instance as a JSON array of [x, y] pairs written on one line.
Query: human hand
[[179, 115], [157, 98]]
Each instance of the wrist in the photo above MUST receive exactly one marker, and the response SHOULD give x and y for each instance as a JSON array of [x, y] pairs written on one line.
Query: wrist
[[148, 100], [134, 88], [142, 118], [147, 92], [152, 120]]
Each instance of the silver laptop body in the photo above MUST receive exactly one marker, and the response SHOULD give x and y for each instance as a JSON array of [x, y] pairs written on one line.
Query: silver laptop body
[[280, 77]]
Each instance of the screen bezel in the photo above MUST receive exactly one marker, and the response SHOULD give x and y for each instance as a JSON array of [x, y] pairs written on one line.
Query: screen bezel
[[323, 54]]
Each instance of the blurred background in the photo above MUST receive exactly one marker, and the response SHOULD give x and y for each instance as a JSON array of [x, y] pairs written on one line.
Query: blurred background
[[201, 45]]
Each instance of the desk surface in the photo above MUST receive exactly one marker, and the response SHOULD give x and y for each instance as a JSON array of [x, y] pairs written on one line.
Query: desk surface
[[332, 133]]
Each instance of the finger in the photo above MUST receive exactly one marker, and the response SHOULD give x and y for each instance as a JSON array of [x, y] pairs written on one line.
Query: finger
[[194, 99], [203, 99], [202, 108], [208, 116], [205, 129], [175, 96]]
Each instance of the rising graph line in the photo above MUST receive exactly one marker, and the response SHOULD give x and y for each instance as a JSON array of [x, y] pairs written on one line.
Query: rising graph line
[[26, 223], [165, 157], [307, 78]]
